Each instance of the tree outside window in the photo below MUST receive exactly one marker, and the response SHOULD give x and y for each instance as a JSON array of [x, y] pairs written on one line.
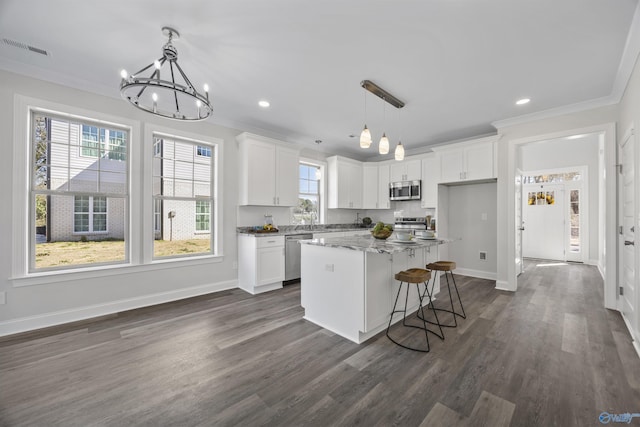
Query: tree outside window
[[308, 209]]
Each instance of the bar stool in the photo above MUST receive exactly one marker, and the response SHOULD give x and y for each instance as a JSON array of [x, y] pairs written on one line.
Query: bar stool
[[447, 267], [417, 276]]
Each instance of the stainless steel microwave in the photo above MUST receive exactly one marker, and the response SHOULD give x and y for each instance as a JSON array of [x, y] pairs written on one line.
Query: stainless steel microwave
[[405, 190]]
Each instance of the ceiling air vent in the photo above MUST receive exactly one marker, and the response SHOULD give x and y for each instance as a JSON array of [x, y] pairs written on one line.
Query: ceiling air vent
[[24, 46]]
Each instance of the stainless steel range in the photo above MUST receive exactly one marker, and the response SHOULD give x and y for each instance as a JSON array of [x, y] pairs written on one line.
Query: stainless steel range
[[411, 223]]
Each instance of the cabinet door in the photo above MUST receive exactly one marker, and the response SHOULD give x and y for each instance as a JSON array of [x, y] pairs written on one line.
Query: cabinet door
[[383, 187], [370, 187], [397, 172], [451, 165], [260, 172], [344, 193], [479, 161], [286, 173], [430, 179], [270, 265], [355, 186], [413, 170]]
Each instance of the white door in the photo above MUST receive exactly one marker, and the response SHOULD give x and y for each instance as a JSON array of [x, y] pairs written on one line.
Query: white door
[[626, 226], [519, 225], [543, 216]]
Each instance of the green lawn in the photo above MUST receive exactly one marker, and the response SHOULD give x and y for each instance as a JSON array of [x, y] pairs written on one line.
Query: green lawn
[[59, 254]]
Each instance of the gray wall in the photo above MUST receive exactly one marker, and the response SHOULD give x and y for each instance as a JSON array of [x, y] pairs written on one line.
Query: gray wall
[[467, 206]]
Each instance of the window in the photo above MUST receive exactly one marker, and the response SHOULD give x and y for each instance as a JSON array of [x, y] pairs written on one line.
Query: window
[[203, 151], [183, 192], [90, 214], [574, 221], [203, 212], [78, 192], [157, 216], [94, 143], [308, 209]]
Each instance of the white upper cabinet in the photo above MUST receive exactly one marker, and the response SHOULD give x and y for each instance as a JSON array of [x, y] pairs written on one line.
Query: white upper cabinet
[[370, 186], [468, 161], [383, 187], [407, 170], [430, 179], [375, 186], [268, 172], [345, 183]]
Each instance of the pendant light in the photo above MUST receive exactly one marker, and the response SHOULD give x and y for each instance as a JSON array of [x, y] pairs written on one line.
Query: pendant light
[[383, 146], [399, 153], [365, 136]]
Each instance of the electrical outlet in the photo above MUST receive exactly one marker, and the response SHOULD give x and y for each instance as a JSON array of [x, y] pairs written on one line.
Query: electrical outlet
[[328, 267], [483, 255], [3, 297]]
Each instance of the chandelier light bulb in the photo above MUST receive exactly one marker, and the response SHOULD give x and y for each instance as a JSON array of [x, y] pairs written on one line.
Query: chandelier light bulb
[[156, 64], [383, 147], [198, 103], [154, 96], [399, 153], [124, 74], [365, 138], [206, 88]]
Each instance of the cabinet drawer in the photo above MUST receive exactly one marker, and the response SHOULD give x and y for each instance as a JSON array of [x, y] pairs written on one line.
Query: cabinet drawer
[[268, 242]]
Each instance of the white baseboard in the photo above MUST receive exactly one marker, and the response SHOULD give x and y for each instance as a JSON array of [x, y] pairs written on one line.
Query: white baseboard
[[503, 285], [30, 323], [592, 262], [475, 273], [634, 339]]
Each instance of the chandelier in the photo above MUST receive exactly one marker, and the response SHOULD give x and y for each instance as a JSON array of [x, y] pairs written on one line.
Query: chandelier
[[387, 98], [175, 98]]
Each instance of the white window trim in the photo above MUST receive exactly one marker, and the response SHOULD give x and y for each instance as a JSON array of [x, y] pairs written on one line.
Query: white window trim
[[148, 231], [139, 154]]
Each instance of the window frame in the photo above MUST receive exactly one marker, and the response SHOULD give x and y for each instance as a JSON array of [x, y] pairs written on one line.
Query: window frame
[[139, 246]]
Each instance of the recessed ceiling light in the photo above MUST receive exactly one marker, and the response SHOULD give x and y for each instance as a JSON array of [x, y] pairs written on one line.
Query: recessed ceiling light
[[522, 101], [264, 104]]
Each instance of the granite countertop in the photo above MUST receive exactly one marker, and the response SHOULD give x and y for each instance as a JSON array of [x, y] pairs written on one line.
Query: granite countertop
[[369, 244], [288, 230]]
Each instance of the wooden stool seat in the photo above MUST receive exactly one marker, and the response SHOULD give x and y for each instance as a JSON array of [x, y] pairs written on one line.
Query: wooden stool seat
[[413, 275], [442, 266]]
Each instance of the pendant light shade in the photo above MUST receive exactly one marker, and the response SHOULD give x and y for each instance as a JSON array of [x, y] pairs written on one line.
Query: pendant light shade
[[365, 138], [399, 153], [383, 147]]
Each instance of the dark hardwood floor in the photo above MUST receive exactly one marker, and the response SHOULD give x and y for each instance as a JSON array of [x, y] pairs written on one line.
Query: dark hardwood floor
[[547, 355]]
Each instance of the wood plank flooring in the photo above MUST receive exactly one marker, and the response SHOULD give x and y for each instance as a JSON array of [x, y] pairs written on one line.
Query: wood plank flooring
[[547, 355]]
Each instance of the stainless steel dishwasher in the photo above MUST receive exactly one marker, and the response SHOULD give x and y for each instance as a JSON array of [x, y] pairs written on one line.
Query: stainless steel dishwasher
[[292, 255]]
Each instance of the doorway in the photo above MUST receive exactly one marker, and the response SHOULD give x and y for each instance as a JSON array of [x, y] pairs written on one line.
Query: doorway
[[554, 214]]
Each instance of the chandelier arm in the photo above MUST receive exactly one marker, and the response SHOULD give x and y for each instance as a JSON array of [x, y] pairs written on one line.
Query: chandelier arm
[[184, 76], [173, 80], [148, 66]]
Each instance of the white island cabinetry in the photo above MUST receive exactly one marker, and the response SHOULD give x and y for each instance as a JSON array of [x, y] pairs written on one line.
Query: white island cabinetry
[[348, 284], [260, 263]]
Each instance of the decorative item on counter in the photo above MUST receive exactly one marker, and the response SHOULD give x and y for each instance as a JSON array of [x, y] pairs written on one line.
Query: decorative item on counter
[[433, 225], [382, 231], [366, 221], [428, 220]]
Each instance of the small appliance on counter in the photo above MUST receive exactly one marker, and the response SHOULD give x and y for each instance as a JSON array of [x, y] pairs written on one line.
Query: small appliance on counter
[[405, 190]]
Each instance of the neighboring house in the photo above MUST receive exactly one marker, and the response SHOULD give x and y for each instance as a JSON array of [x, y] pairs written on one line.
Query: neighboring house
[[91, 159]]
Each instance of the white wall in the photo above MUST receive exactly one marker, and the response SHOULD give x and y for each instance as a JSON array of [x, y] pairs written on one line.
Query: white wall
[[471, 216], [564, 154], [70, 299]]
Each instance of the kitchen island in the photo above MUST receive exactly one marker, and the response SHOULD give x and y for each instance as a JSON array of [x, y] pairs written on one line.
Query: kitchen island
[[348, 285]]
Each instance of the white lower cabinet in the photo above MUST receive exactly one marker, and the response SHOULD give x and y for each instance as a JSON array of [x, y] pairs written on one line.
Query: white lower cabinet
[[260, 263]]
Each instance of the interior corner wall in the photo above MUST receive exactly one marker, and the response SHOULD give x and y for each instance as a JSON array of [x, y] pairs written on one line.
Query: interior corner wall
[[471, 216], [37, 303]]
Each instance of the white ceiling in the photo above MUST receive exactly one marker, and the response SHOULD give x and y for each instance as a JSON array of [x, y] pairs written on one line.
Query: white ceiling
[[459, 65]]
